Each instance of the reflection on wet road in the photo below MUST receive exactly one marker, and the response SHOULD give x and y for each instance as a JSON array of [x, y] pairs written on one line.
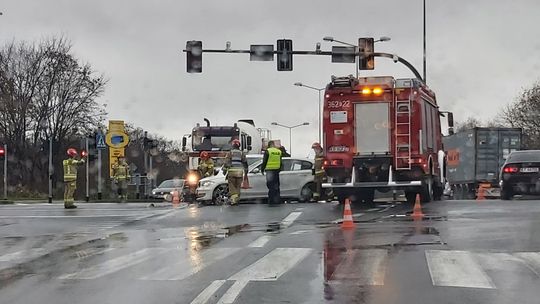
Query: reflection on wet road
[[254, 254]]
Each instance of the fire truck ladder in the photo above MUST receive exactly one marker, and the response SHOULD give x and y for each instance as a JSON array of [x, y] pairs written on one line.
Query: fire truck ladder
[[403, 134]]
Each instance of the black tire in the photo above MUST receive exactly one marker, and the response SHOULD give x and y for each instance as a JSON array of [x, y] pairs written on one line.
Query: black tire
[[507, 194], [438, 192], [411, 197], [365, 196], [220, 195], [306, 194], [426, 194]]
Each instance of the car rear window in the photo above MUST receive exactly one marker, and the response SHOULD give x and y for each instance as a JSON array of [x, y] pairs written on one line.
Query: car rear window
[[524, 156]]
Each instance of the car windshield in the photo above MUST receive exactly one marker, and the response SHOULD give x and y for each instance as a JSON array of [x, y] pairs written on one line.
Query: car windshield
[[524, 156], [171, 183]]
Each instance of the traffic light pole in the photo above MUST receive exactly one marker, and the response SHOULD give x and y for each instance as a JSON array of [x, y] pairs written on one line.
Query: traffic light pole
[[394, 57], [50, 169], [5, 171], [87, 173]]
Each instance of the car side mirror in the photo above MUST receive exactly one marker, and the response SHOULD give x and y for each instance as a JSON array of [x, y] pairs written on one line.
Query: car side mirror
[[450, 123], [248, 141], [184, 143]]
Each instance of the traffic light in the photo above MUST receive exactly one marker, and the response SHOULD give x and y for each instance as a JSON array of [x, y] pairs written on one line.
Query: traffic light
[[194, 56], [2, 152], [367, 60], [284, 55]]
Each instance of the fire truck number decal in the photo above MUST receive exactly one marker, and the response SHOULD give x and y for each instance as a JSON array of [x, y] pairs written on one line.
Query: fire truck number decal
[[332, 104]]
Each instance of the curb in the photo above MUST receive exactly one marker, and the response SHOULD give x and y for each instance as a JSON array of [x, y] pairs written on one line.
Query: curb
[[6, 202]]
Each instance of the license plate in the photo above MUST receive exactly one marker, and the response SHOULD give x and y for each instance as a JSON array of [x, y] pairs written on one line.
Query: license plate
[[529, 170]]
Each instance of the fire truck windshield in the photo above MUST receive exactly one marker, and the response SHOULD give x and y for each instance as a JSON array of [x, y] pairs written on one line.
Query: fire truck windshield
[[213, 138]]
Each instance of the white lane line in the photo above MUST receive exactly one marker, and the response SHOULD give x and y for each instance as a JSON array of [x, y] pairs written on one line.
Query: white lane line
[[28, 254], [232, 293], [183, 269], [208, 292], [115, 264], [299, 232], [363, 267], [260, 241], [456, 269], [531, 259], [269, 268], [286, 222], [83, 254]]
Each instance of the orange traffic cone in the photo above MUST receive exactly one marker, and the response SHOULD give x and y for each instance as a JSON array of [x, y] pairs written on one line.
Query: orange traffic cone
[[417, 210], [175, 198], [245, 183], [348, 222], [481, 193]]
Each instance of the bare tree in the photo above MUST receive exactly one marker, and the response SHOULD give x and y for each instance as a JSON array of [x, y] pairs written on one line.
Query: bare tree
[[525, 113], [469, 123]]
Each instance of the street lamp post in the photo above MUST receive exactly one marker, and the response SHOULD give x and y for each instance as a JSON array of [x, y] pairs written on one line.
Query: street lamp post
[[290, 132], [299, 84]]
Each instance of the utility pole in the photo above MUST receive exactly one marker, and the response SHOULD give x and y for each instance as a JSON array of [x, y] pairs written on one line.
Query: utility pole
[[50, 169], [87, 171], [425, 79], [145, 153], [99, 186]]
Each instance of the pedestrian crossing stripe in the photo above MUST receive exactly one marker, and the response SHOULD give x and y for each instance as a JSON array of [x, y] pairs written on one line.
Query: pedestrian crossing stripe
[[363, 267]]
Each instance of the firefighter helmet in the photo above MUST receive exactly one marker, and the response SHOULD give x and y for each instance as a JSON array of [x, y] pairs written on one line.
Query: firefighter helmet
[[236, 143], [72, 152], [204, 155], [316, 145]]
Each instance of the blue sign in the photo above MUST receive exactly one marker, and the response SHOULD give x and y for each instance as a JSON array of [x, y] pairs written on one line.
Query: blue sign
[[100, 141]]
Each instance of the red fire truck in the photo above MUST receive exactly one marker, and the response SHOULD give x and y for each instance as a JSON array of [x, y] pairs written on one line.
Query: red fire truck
[[383, 134]]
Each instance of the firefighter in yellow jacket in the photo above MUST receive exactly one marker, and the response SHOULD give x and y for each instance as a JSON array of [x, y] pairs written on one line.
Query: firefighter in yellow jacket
[[206, 166], [70, 177], [236, 166], [120, 176]]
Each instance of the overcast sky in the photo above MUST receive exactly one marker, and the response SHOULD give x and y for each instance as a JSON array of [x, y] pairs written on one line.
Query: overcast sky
[[481, 54]]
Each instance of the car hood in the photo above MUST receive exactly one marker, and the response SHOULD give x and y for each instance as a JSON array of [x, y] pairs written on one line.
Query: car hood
[[215, 178]]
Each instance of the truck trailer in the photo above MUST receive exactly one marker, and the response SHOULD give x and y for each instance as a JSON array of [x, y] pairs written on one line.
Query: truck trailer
[[474, 159]]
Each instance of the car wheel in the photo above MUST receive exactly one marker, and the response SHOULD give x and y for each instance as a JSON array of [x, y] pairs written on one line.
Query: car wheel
[[506, 194], [221, 194], [306, 194]]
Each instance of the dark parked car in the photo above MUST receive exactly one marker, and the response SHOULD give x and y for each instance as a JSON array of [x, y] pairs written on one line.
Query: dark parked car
[[520, 174]]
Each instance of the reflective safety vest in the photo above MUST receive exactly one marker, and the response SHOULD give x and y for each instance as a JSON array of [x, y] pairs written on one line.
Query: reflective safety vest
[[319, 159], [120, 171], [274, 159], [70, 169]]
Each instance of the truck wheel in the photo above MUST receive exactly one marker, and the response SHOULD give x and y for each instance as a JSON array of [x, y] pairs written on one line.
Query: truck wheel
[[411, 197], [507, 194], [426, 194], [221, 194], [438, 192]]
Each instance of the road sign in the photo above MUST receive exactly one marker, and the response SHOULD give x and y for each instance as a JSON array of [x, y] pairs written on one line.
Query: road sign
[[117, 140], [100, 141]]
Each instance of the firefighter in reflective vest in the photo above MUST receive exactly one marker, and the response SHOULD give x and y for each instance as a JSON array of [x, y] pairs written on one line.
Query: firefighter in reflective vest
[[120, 176], [206, 166], [272, 166], [318, 170], [236, 166], [70, 177]]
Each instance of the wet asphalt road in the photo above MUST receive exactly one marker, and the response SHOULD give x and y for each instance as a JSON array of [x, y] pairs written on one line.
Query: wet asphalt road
[[459, 252]]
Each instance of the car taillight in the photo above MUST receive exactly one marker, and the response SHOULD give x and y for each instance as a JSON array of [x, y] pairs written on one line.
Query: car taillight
[[510, 169]]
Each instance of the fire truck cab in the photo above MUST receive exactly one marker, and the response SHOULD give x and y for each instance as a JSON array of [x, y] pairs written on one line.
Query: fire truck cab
[[382, 133]]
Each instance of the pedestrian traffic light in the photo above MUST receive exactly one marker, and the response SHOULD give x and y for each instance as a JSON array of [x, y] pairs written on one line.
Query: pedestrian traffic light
[[284, 55], [194, 56], [366, 48]]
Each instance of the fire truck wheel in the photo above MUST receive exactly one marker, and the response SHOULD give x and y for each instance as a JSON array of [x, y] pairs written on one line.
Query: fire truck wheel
[[411, 197], [438, 192], [426, 194]]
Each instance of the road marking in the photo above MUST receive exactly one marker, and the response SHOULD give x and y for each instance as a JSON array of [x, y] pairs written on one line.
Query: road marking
[[114, 265], [64, 216], [364, 267], [183, 269], [208, 292], [531, 259], [28, 254], [299, 232], [456, 269], [232, 293], [286, 222], [269, 268], [84, 254], [260, 242]]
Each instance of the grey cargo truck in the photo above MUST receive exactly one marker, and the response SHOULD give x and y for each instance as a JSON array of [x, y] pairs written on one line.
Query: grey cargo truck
[[474, 158]]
